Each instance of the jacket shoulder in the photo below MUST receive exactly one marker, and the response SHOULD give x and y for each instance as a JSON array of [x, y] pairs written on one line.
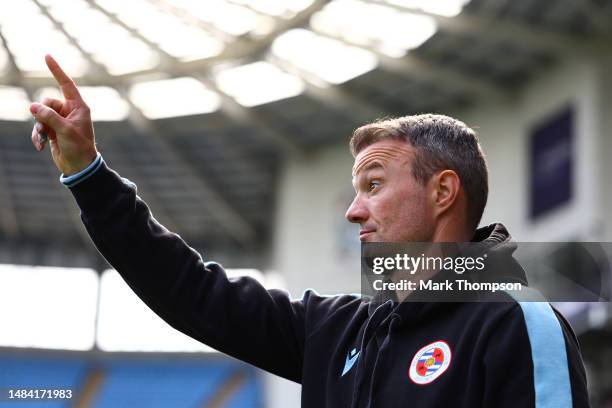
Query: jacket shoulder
[[537, 335], [341, 309]]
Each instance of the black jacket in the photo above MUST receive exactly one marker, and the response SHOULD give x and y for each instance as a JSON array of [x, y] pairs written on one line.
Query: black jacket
[[344, 350]]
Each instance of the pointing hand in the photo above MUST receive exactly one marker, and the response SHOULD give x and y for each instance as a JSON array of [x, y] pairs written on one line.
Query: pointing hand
[[67, 124]]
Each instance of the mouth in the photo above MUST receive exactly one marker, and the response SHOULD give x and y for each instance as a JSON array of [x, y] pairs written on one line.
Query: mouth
[[363, 233]]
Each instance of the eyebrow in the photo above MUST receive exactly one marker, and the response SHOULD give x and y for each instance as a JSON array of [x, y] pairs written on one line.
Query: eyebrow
[[370, 166]]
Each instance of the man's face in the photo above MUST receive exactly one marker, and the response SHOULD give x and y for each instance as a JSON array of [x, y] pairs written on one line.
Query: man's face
[[390, 205]]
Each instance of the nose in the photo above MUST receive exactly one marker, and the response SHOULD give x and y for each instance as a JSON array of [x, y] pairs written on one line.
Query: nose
[[356, 213]]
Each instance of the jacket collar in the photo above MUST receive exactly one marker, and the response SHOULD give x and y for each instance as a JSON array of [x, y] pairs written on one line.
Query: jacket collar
[[496, 241]]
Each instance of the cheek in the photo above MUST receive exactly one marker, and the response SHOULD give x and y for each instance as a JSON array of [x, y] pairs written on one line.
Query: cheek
[[384, 207], [412, 207], [400, 208], [390, 210]]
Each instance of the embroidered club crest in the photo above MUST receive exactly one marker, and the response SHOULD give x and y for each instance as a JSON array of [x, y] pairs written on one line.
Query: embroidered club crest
[[430, 362]]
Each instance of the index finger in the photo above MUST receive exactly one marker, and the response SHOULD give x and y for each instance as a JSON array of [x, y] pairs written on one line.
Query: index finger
[[66, 83]]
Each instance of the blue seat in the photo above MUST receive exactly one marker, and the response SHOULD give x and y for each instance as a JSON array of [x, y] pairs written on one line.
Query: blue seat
[[249, 394], [160, 384], [40, 373]]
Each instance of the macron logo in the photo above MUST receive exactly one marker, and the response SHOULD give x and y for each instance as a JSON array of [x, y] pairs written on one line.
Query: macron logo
[[351, 357]]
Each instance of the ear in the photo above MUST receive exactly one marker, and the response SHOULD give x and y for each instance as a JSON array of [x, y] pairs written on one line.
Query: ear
[[445, 189]]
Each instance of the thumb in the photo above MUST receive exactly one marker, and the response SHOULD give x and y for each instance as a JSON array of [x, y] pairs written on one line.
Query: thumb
[[49, 117]]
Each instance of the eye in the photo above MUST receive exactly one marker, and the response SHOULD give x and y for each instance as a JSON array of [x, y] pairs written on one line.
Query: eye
[[373, 184]]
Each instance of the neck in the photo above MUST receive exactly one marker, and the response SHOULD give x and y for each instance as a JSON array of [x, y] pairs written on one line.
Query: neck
[[446, 231], [451, 230]]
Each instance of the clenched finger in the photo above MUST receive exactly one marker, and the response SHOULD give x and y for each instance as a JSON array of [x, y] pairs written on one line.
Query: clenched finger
[[36, 140], [46, 132], [67, 85], [43, 131], [53, 103], [49, 117]]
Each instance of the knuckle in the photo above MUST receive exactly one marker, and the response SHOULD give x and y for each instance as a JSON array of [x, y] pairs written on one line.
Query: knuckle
[[42, 113]]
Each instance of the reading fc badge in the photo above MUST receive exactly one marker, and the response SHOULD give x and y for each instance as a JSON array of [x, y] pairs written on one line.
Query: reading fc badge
[[430, 362]]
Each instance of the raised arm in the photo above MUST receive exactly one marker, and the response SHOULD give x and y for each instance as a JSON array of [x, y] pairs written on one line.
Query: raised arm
[[238, 317]]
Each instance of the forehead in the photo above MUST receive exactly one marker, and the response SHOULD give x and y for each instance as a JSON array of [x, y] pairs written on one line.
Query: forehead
[[381, 154]]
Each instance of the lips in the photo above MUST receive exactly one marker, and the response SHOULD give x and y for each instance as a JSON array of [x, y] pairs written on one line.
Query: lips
[[363, 233]]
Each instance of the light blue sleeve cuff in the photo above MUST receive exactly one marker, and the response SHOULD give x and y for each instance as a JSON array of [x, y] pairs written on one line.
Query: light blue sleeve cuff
[[84, 174]]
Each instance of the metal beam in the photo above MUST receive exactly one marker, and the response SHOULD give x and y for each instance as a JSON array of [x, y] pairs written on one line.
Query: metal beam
[[100, 70], [416, 66], [331, 95], [234, 223], [514, 31], [248, 117], [11, 217], [8, 216], [242, 48], [228, 105], [299, 20], [222, 212], [188, 18], [154, 201], [256, 46], [167, 61], [335, 97], [14, 74]]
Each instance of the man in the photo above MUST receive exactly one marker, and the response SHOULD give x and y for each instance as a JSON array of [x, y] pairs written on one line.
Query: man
[[417, 178]]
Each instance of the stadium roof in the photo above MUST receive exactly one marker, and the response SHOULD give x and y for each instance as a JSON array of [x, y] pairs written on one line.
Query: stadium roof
[[199, 102]]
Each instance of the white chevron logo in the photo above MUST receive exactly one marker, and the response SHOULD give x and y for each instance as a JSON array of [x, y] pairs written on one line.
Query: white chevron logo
[[350, 361]]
